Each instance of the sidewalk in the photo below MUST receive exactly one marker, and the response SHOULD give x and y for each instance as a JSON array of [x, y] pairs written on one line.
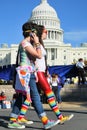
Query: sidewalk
[[79, 122], [65, 106], [69, 105]]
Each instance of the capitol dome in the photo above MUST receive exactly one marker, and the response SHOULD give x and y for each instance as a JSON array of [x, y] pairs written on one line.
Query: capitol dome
[[45, 15]]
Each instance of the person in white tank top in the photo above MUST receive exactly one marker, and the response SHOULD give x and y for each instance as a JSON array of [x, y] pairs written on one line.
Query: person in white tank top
[[42, 83], [40, 63]]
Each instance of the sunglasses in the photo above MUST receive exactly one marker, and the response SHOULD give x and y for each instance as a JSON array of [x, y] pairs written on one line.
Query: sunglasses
[[45, 31]]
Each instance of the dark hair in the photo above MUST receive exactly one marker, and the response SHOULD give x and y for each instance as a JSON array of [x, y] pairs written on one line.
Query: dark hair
[[29, 27], [53, 75], [40, 31], [2, 93], [80, 59]]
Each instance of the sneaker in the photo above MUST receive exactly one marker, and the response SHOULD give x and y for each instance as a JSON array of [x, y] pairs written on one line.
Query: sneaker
[[25, 121], [15, 125], [66, 118], [50, 124]]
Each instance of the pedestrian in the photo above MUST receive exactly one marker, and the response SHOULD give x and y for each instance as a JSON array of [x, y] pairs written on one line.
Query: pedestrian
[[13, 99], [2, 99], [60, 86], [81, 71], [25, 84], [42, 79], [54, 84], [49, 79]]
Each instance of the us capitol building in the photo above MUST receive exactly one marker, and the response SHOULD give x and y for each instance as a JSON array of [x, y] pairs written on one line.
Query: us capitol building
[[58, 53]]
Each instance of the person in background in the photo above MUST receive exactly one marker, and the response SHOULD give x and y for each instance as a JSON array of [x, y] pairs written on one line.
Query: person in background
[[25, 83], [2, 99], [13, 99], [49, 79], [54, 84], [81, 71], [42, 79], [60, 86]]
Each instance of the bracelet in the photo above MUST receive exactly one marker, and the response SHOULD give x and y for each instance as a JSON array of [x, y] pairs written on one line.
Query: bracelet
[[37, 44]]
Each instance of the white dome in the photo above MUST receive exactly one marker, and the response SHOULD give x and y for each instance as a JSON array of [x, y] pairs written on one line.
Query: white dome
[[44, 9], [44, 12]]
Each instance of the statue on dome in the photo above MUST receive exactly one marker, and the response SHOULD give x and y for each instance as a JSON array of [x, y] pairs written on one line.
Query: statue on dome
[[43, 1]]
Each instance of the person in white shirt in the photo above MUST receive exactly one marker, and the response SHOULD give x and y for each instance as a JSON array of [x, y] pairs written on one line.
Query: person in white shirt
[[43, 84], [54, 83], [81, 71]]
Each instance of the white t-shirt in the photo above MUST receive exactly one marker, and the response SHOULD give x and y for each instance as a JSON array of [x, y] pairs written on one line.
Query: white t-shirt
[[80, 64], [54, 83], [40, 63]]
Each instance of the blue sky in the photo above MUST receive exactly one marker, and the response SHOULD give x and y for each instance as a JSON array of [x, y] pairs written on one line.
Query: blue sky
[[72, 14]]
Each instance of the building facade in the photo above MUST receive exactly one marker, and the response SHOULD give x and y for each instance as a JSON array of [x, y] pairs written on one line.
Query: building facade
[[8, 55], [58, 53]]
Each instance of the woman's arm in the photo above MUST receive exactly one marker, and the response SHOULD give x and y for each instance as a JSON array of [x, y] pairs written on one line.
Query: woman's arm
[[35, 52]]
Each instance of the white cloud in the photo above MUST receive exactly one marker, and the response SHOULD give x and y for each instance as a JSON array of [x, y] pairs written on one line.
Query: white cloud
[[78, 36]]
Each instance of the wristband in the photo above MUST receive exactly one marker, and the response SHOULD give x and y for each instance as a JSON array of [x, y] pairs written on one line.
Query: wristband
[[37, 44]]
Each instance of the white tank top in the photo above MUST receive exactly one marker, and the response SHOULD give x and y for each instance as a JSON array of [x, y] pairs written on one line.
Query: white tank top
[[40, 63]]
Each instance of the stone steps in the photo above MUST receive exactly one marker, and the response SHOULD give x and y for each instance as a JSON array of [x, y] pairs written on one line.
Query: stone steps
[[70, 92], [8, 90], [73, 92]]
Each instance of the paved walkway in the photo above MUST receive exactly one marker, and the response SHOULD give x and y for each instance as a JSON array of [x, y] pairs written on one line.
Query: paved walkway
[[70, 105], [78, 122]]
